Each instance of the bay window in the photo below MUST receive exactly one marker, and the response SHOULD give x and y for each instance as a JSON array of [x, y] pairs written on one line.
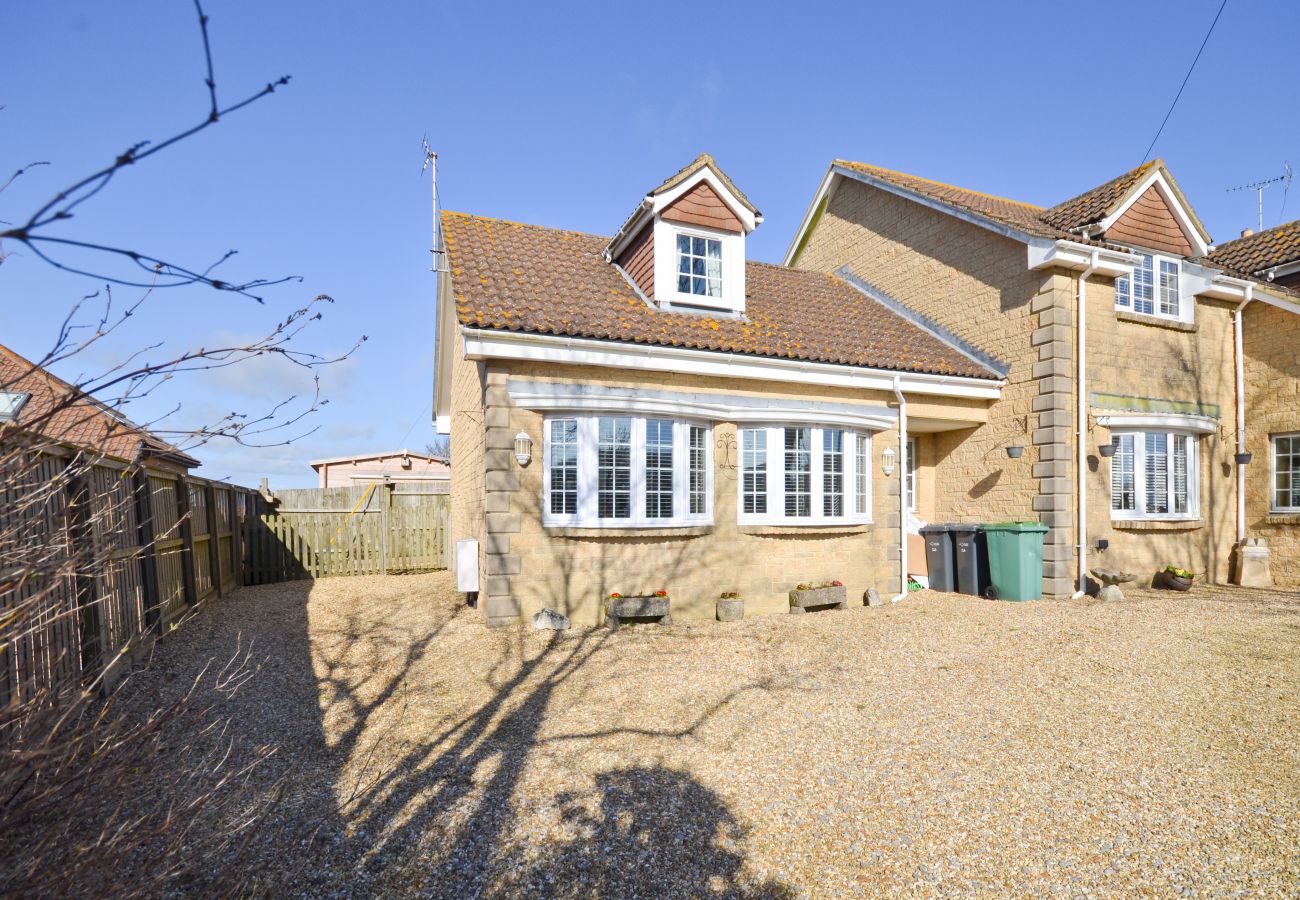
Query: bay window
[[1154, 475], [1154, 289], [1286, 473], [626, 471], [804, 475]]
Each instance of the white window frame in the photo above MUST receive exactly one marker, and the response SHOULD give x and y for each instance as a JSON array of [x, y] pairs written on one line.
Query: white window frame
[[1186, 306], [1139, 513], [587, 515], [775, 458], [1274, 472], [691, 296], [733, 267]]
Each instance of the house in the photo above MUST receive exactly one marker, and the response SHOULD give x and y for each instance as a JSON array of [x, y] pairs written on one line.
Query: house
[[48, 413], [1122, 328], [395, 466], [653, 411], [1271, 347]]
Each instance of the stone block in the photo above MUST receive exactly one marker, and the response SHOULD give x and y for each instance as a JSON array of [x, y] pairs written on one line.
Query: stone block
[[1058, 468], [504, 564], [1056, 315], [1050, 435], [496, 585], [1054, 418], [1049, 367], [496, 543], [499, 439], [497, 395], [497, 501], [501, 606], [1049, 333], [503, 523], [496, 417], [1048, 502], [499, 460], [1054, 350], [1056, 384], [501, 481]]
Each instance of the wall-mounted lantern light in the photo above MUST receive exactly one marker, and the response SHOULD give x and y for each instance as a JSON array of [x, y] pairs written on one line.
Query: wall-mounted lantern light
[[1243, 459], [1106, 450], [523, 448], [1015, 451], [887, 460]]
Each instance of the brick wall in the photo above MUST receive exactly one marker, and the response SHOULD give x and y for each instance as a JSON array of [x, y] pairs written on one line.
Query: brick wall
[[977, 284], [1272, 341], [530, 567]]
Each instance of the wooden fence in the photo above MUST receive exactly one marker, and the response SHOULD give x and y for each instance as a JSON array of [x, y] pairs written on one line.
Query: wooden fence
[[98, 560], [381, 528]]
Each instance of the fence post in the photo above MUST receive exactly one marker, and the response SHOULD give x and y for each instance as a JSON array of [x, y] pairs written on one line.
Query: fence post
[[385, 500], [214, 541], [148, 554], [189, 582], [238, 501], [82, 556]]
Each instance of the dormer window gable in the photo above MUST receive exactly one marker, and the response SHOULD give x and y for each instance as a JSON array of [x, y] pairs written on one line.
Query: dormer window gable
[[684, 247], [1155, 217]]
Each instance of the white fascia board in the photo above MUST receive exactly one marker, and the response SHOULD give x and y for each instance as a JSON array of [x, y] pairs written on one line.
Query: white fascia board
[[1211, 283], [442, 424], [827, 180], [747, 219], [1184, 219], [1285, 269], [1159, 421], [480, 344], [631, 228], [1006, 231], [1045, 254]]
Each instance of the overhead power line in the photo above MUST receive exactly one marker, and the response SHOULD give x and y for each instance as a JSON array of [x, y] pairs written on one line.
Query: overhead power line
[[1186, 77]]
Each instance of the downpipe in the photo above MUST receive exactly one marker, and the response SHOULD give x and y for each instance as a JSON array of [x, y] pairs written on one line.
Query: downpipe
[[1240, 364], [902, 488], [1081, 432]]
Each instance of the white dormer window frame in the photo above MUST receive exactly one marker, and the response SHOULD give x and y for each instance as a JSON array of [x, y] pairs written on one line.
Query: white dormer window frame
[[699, 265], [1156, 288], [731, 278]]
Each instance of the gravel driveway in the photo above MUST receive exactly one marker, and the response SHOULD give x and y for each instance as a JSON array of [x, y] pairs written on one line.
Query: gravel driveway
[[941, 746]]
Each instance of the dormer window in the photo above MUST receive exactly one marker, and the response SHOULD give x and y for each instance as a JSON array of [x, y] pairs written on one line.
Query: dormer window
[[1154, 289], [699, 265]]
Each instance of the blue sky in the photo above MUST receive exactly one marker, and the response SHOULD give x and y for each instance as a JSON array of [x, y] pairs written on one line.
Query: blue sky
[[564, 114]]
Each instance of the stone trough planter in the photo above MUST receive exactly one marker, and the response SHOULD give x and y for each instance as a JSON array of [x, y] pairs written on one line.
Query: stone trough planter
[[731, 609], [647, 607], [813, 598]]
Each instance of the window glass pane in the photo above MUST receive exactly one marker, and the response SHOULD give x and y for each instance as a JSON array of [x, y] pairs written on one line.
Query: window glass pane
[[861, 471], [909, 483], [1123, 293], [1123, 489], [1157, 474], [700, 258], [1181, 499], [1286, 468], [832, 473], [614, 468], [658, 469], [1143, 278], [798, 472], [1168, 288], [564, 467], [698, 473], [753, 467]]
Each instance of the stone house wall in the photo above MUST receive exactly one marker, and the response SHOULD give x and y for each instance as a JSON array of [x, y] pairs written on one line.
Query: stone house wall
[[976, 284], [528, 567], [1272, 341]]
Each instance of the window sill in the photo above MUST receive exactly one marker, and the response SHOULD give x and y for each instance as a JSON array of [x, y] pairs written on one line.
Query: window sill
[[1157, 524], [810, 529], [1156, 321], [1282, 518], [627, 531]]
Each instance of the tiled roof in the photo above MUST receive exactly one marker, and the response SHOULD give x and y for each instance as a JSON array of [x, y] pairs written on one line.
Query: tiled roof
[[1022, 216], [58, 411], [527, 278], [1096, 204], [1254, 254], [694, 166]]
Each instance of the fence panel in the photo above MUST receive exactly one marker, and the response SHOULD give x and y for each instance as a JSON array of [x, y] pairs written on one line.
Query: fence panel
[[355, 530]]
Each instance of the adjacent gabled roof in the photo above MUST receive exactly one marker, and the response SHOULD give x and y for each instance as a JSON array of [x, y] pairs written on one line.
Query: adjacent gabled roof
[[702, 161], [526, 278], [363, 457], [60, 412], [1256, 254]]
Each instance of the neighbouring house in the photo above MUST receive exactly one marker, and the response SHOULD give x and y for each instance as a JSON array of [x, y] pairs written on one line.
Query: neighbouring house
[[395, 466], [48, 413], [653, 411], [1271, 343], [1119, 322]]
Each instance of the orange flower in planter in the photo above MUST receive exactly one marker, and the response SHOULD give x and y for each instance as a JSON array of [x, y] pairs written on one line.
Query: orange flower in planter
[[837, 584], [616, 596], [661, 593]]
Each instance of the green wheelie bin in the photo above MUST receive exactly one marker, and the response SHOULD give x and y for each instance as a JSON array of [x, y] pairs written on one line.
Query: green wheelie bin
[[1016, 559]]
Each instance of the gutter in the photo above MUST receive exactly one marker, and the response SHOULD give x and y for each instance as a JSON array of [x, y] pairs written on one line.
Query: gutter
[[1240, 364], [1082, 432], [902, 489]]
